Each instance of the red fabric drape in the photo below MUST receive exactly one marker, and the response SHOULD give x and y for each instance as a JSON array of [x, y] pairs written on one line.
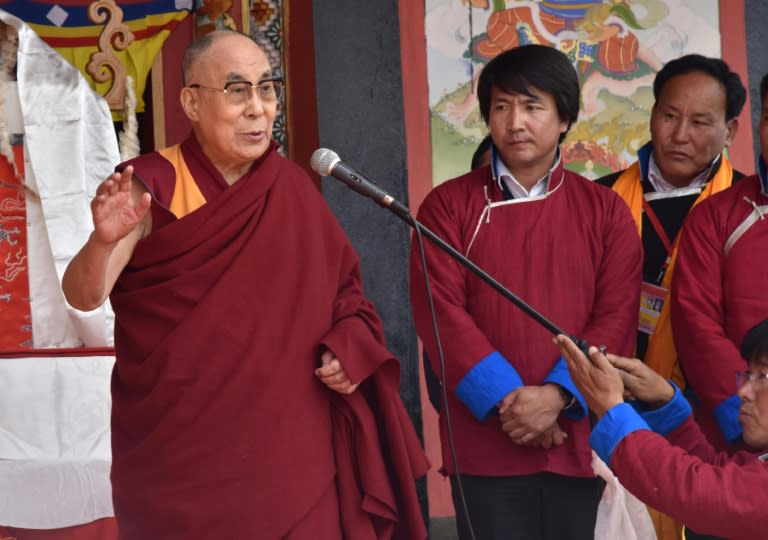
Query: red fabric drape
[[14, 277]]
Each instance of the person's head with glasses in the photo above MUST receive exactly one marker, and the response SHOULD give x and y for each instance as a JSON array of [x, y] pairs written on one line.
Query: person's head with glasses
[[753, 384], [231, 96]]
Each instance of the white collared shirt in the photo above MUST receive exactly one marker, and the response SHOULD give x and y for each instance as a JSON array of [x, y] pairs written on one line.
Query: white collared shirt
[[517, 190], [660, 185]]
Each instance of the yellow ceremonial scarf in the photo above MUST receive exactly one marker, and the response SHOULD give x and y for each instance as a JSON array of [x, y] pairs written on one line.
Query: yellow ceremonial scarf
[[661, 355]]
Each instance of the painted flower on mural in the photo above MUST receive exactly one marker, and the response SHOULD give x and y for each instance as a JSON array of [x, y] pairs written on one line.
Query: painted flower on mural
[[275, 34], [263, 12]]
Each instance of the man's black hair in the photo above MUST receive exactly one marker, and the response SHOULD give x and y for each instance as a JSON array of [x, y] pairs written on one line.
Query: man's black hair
[[755, 343], [735, 93], [522, 69], [763, 88]]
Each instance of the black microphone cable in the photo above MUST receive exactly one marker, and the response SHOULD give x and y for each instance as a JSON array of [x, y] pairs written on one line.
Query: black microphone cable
[[443, 384]]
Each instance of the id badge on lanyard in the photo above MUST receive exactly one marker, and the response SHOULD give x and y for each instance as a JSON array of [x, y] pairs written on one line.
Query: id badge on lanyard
[[652, 298], [653, 295]]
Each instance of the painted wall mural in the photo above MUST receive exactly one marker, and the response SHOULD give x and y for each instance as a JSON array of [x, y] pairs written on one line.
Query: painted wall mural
[[616, 46], [213, 15], [266, 28]]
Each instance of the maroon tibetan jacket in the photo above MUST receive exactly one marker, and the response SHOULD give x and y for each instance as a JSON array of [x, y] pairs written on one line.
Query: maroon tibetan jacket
[[710, 491], [573, 254]]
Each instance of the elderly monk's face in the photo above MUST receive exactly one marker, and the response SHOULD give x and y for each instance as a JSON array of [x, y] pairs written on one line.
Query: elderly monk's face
[[232, 135]]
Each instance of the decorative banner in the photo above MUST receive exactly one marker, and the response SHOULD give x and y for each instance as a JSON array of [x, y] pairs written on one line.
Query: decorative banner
[[617, 47], [66, 26]]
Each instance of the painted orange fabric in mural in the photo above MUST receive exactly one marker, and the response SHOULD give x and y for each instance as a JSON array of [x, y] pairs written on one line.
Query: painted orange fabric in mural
[[15, 312]]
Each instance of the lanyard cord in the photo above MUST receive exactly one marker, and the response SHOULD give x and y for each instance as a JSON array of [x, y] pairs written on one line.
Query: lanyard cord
[[662, 234]]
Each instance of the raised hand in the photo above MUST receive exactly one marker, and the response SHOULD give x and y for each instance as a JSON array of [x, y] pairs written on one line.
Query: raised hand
[[117, 208]]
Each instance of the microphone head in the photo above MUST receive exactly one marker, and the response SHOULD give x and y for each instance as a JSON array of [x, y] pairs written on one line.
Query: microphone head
[[323, 160]]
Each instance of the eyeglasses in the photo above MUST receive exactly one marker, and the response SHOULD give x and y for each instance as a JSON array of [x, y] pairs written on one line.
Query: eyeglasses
[[757, 380], [239, 92]]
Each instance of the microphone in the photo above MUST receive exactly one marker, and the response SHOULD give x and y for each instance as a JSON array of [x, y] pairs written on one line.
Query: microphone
[[326, 162]]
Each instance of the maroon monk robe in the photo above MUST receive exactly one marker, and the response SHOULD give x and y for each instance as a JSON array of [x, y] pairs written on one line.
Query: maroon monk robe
[[219, 425]]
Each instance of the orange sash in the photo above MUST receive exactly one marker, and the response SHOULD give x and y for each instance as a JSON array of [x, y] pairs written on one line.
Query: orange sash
[[661, 355], [187, 196]]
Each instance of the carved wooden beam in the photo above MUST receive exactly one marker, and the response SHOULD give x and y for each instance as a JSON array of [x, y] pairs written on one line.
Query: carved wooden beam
[[104, 65]]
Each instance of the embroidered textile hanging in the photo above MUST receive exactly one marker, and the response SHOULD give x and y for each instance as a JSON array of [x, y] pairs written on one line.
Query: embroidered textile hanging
[[65, 26]]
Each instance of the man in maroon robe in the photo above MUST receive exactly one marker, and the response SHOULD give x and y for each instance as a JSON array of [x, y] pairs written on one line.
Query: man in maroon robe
[[518, 452], [241, 334], [721, 290]]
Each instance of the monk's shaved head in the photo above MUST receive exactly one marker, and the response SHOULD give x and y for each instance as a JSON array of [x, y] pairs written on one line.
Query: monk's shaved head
[[197, 49]]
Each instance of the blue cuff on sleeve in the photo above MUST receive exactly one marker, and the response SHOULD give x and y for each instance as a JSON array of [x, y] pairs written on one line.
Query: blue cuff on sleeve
[[667, 418], [611, 429], [559, 375], [727, 417], [486, 384]]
